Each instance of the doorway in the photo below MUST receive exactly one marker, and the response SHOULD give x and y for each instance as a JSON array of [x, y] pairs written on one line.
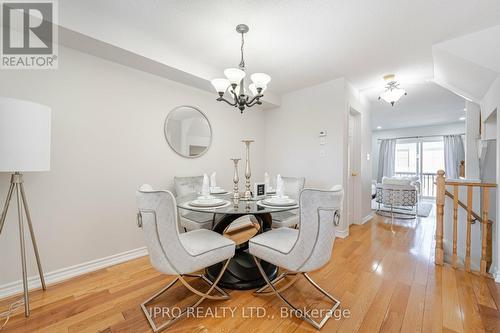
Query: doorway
[[354, 167]]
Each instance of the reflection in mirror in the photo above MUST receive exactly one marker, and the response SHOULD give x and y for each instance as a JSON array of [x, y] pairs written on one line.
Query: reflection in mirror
[[188, 131]]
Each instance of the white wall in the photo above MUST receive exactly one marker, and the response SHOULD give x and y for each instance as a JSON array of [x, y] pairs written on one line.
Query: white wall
[[108, 139], [472, 137], [447, 129], [292, 141], [489, 104], [359, 103], [491, 100], [292, 136]]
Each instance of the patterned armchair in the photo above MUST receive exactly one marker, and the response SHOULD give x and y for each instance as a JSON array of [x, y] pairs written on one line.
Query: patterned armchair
[[398, 193]]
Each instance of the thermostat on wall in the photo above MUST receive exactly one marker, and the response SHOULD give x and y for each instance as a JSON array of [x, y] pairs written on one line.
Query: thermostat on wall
[[322, 133]]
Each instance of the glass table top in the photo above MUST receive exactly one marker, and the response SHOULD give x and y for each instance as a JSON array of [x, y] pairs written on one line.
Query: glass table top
[[240, 207]]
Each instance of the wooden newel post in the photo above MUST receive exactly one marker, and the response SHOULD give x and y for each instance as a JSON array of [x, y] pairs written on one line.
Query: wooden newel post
[[440, 197], [484, 238]]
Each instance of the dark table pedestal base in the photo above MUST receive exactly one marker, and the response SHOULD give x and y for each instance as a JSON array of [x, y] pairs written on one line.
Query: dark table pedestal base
[[242, 273]]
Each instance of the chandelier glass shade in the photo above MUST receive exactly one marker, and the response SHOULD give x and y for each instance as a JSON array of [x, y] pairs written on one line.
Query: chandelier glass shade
[[393, 92], [234, 82]]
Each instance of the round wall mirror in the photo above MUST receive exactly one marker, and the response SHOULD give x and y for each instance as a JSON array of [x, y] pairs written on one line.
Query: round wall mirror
[[188, 131]]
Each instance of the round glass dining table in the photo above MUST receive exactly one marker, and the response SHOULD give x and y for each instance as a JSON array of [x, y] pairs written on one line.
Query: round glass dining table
[[241, 272]]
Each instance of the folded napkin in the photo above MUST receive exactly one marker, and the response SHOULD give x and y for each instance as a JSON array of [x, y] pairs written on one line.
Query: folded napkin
[[205, 187], [213, 180], [267, 181], [280, 188]]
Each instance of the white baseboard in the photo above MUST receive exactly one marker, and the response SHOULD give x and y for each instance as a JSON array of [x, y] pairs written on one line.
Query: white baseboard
[[496, 274], [367, 218], [341, 233], [59, 275]]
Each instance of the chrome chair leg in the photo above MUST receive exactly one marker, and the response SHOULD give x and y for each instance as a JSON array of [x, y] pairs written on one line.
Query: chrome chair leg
[[301, 313], [203, 296], [261, 291]]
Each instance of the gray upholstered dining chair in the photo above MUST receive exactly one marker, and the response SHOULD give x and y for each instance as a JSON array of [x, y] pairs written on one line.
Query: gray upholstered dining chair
[[192, 220], [292, 188], [178, 254], [299, 251]]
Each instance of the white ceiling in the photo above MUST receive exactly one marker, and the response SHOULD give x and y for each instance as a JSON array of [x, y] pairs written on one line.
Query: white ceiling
[[298, 42], [486, 41], [468, 64], [426, 104], [302, 43]]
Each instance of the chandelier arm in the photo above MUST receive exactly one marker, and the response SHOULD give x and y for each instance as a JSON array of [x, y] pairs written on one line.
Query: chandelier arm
[[255, 100], [222, 99], [235, 96], [258, 102]]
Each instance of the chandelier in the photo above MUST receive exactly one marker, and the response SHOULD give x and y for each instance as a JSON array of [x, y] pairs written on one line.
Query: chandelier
[[392, 92], [235, 81]]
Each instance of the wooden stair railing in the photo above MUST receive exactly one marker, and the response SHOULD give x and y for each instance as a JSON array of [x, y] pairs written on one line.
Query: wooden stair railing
[[486, 240]]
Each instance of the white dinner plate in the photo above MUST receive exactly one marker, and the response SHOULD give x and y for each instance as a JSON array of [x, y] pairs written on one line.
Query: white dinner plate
[[279, 202], [262, 204], [213, 202], [218, 191]]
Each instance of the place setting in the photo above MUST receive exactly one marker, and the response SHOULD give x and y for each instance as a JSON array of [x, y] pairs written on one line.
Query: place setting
[[214, 189], [206, 200], [279, 200], [269, 189]]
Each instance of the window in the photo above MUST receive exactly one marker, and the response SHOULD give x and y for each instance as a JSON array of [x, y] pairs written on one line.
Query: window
[[433, 156], [406, 158], [422, 158]]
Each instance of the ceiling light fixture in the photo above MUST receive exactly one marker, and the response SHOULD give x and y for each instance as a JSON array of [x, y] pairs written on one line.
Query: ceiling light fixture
[[235, 81], [392, 92], [379, 127], [461, 118]]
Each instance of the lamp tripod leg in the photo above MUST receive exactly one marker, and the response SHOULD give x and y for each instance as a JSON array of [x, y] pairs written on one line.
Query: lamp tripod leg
[[23, 251], [6, 206], [32, 234]]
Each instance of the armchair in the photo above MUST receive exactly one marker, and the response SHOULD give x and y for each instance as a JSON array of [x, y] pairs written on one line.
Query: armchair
[[179, 254]]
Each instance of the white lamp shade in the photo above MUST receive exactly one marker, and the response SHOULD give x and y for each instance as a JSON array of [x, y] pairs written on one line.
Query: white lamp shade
[[220, 85], [24, 136], [392, 96], [234, 75], [260, 79], [253, 89]]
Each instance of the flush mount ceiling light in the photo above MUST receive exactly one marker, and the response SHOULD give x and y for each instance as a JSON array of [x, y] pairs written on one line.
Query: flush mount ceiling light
[[392, 92], [235, 81]]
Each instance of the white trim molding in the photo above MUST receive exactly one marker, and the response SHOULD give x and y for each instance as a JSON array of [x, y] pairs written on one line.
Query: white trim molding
[[496, 275], [367, 218], [341, 233], [66, 273]]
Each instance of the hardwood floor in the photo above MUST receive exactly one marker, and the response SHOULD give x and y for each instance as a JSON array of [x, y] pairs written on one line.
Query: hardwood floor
[[387, 281]]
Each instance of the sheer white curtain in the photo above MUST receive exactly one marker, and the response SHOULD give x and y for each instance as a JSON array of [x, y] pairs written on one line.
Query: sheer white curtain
[[386, 159], [453, 154]]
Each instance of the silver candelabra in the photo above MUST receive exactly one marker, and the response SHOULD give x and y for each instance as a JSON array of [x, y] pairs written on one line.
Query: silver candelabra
[[236, 180], [248, 194]]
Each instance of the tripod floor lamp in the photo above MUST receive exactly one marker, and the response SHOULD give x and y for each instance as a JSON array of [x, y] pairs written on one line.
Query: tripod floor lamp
[[24, 147]]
